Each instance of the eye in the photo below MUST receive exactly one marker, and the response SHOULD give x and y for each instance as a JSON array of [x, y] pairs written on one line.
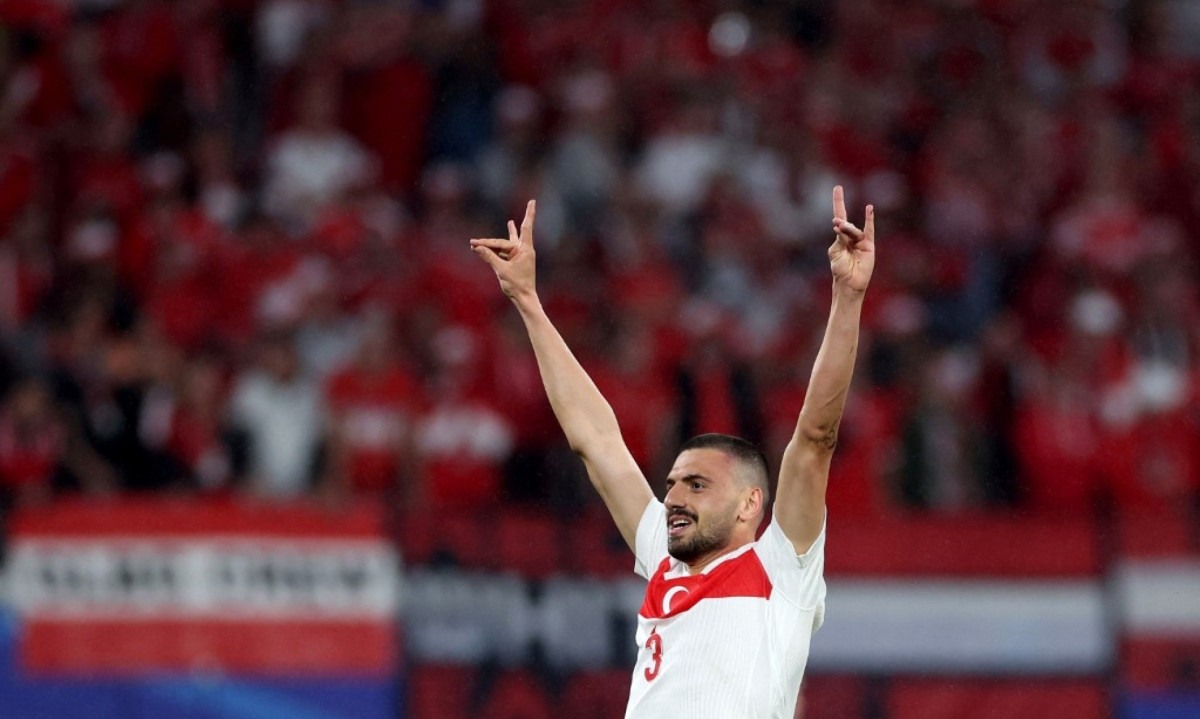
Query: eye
[[697, 486]]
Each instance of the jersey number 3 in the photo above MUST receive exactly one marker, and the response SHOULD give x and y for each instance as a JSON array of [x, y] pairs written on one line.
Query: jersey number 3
[[654, 644]]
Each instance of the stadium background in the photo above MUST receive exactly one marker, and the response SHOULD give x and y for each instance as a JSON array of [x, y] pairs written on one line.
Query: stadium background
[[273, 445]]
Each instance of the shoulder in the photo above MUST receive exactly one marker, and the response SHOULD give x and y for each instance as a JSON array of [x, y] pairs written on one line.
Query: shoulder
[[799, 577], [650, 539], [775, 548]]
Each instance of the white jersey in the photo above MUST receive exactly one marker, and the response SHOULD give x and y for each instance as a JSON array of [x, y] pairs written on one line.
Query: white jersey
[[732, 641]]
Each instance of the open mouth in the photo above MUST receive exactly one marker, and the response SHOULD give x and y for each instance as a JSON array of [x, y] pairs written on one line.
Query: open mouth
[[678, 524]]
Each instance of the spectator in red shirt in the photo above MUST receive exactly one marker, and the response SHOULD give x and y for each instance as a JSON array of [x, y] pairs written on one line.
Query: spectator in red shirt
[[27, 266], [198, 439], [259, 258], [33, 444], [140, 50], [518, 391], [389, 92], [104, 173], [1058, 439], [40, 450], [643, 403], [181, 254], [18, 176], [373, 404], [463, 439], [1152, 466], [1154, 463]]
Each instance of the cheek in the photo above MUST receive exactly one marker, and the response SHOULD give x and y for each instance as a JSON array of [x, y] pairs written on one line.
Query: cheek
[[715, 513], [728, 512]]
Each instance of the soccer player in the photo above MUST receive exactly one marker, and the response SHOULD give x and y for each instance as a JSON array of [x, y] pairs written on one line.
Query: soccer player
[[724, 629]]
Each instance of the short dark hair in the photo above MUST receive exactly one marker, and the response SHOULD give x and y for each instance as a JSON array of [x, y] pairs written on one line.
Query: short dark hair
[[741, 450]]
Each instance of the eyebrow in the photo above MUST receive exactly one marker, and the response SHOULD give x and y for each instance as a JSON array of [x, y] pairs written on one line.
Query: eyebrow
[[687, 478]]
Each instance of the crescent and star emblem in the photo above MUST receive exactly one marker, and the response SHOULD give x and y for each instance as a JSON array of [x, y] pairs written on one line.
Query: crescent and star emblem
[[666, 602]]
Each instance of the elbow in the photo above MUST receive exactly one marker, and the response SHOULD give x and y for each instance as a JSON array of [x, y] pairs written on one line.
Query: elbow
[[594, 441], [580, 447], [822, 438]]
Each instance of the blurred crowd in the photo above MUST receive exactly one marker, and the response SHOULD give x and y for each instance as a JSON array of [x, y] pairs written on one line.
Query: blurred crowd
[[233, 243]]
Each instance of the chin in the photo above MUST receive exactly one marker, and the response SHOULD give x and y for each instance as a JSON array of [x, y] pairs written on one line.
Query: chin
[[688, 551], [681, 553]]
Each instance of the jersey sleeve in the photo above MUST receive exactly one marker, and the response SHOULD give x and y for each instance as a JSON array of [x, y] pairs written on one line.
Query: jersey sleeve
[[800, 577], [651, 540]]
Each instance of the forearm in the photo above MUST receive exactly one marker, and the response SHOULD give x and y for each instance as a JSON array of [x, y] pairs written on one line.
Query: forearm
[[584, 415], [586, 418], [832, 371]]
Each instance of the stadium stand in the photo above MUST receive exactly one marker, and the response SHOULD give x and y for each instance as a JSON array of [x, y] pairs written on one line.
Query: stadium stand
[[234, 274]]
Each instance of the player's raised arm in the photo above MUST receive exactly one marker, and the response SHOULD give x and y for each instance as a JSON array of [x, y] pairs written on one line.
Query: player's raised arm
[[586, 417], [804, 472]]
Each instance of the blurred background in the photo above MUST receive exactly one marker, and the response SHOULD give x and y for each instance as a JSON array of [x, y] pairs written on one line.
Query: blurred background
[[273, 444]]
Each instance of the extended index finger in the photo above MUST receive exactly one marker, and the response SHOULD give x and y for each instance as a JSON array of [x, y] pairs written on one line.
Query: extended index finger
[[527, 223], [839, 203]]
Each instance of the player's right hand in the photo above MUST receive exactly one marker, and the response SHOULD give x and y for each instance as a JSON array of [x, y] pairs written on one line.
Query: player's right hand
[[513, 259], [852, 254]]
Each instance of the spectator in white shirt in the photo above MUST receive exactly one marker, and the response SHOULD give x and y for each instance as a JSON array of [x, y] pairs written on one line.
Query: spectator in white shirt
[[278, 412], [315, 162]]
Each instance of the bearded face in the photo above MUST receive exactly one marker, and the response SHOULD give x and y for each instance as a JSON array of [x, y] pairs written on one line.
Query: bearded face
[[691, 536], [703, 500]]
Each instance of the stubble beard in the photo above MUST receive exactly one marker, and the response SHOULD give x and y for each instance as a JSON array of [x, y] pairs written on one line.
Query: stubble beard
[[702, 541]]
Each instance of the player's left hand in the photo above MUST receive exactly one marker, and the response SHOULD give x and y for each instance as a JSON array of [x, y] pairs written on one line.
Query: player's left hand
[[852, 254], [513, 259]]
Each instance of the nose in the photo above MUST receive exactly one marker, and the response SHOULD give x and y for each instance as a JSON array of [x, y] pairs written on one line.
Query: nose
[[673, 499]]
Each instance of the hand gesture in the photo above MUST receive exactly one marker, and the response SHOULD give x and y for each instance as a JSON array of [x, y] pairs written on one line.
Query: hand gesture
[[513, 259], [852, 254]]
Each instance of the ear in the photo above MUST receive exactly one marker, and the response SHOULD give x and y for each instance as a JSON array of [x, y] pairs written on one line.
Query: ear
[[752, 506]]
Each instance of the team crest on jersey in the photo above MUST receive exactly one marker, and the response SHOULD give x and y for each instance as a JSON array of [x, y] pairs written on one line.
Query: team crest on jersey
[[677, 591], [742, 576]]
